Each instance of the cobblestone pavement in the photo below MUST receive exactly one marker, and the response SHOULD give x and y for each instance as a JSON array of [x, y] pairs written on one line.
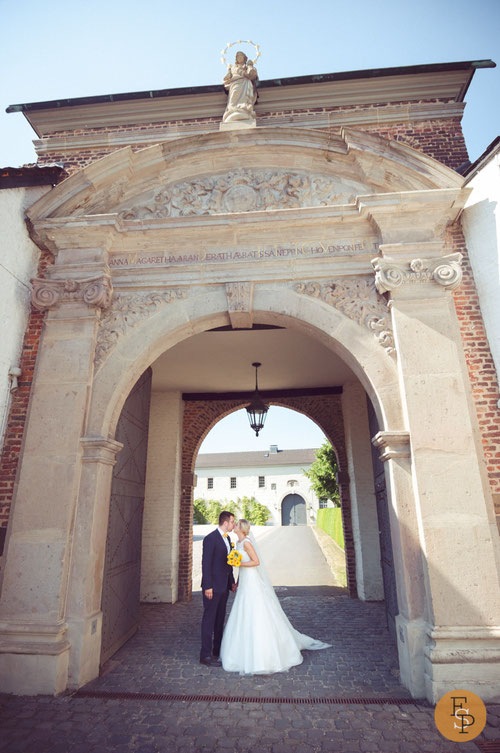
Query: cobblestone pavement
[[163, 658]]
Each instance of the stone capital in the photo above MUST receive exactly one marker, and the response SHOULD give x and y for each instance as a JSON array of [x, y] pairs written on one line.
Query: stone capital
[[392, 275], [100, 450], [94, 291], [392, 444]]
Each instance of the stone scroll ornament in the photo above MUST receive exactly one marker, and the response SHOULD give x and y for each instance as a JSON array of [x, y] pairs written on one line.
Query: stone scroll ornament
[[445, 271], [240, 82], [357, 298], [94, 291], [127, 311]]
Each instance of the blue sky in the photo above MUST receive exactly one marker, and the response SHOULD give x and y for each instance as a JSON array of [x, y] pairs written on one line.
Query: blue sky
[[286, 428], [59, 49]]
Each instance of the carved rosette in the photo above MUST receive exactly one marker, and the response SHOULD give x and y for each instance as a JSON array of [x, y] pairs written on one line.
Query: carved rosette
[[128, 310], [94, 291], [445, 271], [357, 298]]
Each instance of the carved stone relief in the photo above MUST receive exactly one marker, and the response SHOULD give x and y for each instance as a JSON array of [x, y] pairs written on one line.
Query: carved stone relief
[[127, 311], [94, 291], [245, 190], [445, 271], [357, 298], [239, 304]]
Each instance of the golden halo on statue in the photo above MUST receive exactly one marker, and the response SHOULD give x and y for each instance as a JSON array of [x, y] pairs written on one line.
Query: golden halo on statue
[[240, 41]]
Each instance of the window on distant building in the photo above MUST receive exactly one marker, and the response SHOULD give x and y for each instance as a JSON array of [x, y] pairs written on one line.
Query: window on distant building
[[262, 482], [273, 487], [323, 503], [210, 483], [233, 482]]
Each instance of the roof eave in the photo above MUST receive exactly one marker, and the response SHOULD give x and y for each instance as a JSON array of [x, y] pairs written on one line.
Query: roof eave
[[268, 83]]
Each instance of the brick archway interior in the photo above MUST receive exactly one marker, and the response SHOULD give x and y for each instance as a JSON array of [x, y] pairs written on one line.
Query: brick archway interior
[[200, 416]]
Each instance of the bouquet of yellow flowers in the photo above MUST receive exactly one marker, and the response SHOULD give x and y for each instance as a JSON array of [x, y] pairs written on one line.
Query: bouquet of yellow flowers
[[234, 558]]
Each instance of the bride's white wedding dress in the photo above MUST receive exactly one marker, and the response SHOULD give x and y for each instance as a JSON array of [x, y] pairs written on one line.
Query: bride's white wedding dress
[[258, 637]]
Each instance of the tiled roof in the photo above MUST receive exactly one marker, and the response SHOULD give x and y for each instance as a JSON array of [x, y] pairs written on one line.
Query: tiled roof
[[262, 458]]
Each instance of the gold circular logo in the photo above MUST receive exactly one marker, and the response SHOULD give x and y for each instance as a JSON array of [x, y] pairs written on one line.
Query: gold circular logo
[[460, 715]]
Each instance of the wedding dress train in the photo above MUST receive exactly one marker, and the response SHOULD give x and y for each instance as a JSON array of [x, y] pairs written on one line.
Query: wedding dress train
[[258, 637]]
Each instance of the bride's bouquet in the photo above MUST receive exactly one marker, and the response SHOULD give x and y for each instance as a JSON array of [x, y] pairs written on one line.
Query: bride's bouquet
[[234, 558]]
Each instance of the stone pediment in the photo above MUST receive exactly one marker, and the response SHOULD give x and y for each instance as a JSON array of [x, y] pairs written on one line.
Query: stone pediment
[[235, 172], [244, 190]]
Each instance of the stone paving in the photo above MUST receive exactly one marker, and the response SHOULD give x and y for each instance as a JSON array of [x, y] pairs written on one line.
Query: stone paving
[[163, 658]]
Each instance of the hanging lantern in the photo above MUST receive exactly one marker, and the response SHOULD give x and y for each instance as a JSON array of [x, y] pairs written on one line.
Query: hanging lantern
[[257, 410]]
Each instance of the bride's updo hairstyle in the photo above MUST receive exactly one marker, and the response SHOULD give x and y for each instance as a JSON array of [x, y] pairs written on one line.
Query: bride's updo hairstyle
[[244, 526]]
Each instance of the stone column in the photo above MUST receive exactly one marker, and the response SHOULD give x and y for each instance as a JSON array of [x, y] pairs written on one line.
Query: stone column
[[34, 648], [363, 504], [452, 497], [160, 528]]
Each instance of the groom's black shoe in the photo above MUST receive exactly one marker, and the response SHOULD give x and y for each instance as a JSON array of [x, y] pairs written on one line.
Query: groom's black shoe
[[211, 661]]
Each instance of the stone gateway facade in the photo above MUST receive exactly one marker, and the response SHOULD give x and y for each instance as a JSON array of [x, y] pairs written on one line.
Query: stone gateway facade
[[327, 237]]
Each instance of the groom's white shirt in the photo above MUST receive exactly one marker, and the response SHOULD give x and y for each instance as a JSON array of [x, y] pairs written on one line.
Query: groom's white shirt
[[225, 539]]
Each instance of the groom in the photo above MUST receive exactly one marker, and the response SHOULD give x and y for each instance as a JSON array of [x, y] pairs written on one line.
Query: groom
[[217, 581]]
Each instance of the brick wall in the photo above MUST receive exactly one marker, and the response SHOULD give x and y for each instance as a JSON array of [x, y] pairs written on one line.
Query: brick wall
[[442, 139], [201, 416], [480, 365], [19, 403]]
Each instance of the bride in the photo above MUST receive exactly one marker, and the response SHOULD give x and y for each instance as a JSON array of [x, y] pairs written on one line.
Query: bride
[[258, 637]]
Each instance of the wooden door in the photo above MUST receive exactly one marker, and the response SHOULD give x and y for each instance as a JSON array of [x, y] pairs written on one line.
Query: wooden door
[[293, 511]]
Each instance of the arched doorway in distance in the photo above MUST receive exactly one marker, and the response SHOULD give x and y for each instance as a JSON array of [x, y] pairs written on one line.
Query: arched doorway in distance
[[293, 511]]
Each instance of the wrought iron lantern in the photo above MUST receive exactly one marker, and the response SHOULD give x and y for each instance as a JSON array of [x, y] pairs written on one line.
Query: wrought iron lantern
[[257, 410]]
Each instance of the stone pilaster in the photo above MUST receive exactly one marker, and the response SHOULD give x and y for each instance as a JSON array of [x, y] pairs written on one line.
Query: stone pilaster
[[411, 620], [84, 615], [38, 556], [160, 527], [448, 478]]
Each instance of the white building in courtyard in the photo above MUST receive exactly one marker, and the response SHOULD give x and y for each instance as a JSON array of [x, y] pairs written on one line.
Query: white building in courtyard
[[274, 477]]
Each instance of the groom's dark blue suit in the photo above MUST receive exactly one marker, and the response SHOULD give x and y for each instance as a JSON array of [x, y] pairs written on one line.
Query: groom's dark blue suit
[[217, 575]]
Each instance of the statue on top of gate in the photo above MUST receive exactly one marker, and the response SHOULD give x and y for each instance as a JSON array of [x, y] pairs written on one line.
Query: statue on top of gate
[[240, 81]]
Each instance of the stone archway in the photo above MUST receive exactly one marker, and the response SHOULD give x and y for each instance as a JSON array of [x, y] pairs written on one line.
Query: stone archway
[[132, 277]]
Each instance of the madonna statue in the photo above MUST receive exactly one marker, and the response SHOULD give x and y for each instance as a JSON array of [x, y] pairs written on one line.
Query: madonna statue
[[240, 83]]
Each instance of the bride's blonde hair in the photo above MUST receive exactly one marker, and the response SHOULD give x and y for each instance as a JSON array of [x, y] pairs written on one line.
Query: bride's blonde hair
[[244, 526]]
